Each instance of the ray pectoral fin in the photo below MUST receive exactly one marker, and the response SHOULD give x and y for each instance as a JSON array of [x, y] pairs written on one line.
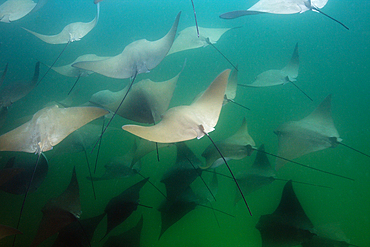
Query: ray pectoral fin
[[238, 13]]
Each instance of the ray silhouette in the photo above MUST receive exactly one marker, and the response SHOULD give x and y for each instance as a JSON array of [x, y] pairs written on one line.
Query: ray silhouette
[[122, 206], [8, 231], [79, 233], [59, 212], [21, 166], [11, 92], [3, 74], [186, 169], [187, 39], [120, 167], [72, 32], [188, 122], [288, 225], [70, 71], [282, 7], [234, 147], [130, 238], [312, 133], [138, 57], [274, 77], [12, 10], [146, 102], [260, 174]]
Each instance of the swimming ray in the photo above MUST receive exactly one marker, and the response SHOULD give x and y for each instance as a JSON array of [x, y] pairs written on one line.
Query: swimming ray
[[10, 92], [59, 212], [79, 233], [12, 10], [281, 7], [138, 57], [130, 238], [146, 102], [72, 32], [122, 206], [187, 39], [288, 225], [312, 133], [8, 231], [23, 165], [188, 122], [234, 147]]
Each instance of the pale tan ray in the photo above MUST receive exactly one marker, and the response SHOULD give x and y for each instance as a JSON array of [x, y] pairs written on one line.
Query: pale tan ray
[[70, 71], [70, 33], [47, 128], [13, 10], [138, 57], [188, 38], [187, 122], [232, 85], [234, 147], [145, 103], [312, 133]]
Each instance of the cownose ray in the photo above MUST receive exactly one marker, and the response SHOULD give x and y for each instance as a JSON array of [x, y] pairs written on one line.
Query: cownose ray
[[209, 36], [47, 128], [186, 169], [275, 77], [12, 10], [138, 57], [130, 238], [59, 212], [119, 167], [72, 32], [122, 206], [184, 123], [312, 133], [70, 71], [11, 92], [260, 174], [281, 7], [22, 164], [231, 88], [234, 147], [146, 102], [173, 210], [288, 225], [79, 233], [8, 231]]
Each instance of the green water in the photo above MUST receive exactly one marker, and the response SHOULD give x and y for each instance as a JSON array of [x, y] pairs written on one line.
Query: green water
[[332, 61]]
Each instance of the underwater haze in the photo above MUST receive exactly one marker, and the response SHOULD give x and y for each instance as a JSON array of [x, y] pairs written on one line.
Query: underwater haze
[[332, 60]]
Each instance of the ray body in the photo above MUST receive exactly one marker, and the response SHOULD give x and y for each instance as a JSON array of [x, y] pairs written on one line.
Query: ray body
[[23, 166], [146, 102], [12, 10], [70, 33], [78, 234], [138, 57], [234, 147], [47, 128], [187, 122], [232, 84], [288, 225], [122, 206], [186, 169], [187, 38], [279, 77], [312, 133], [59, 212], [70, 71], [8, 231], [259, 175], [130, 238], [11, 92]]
